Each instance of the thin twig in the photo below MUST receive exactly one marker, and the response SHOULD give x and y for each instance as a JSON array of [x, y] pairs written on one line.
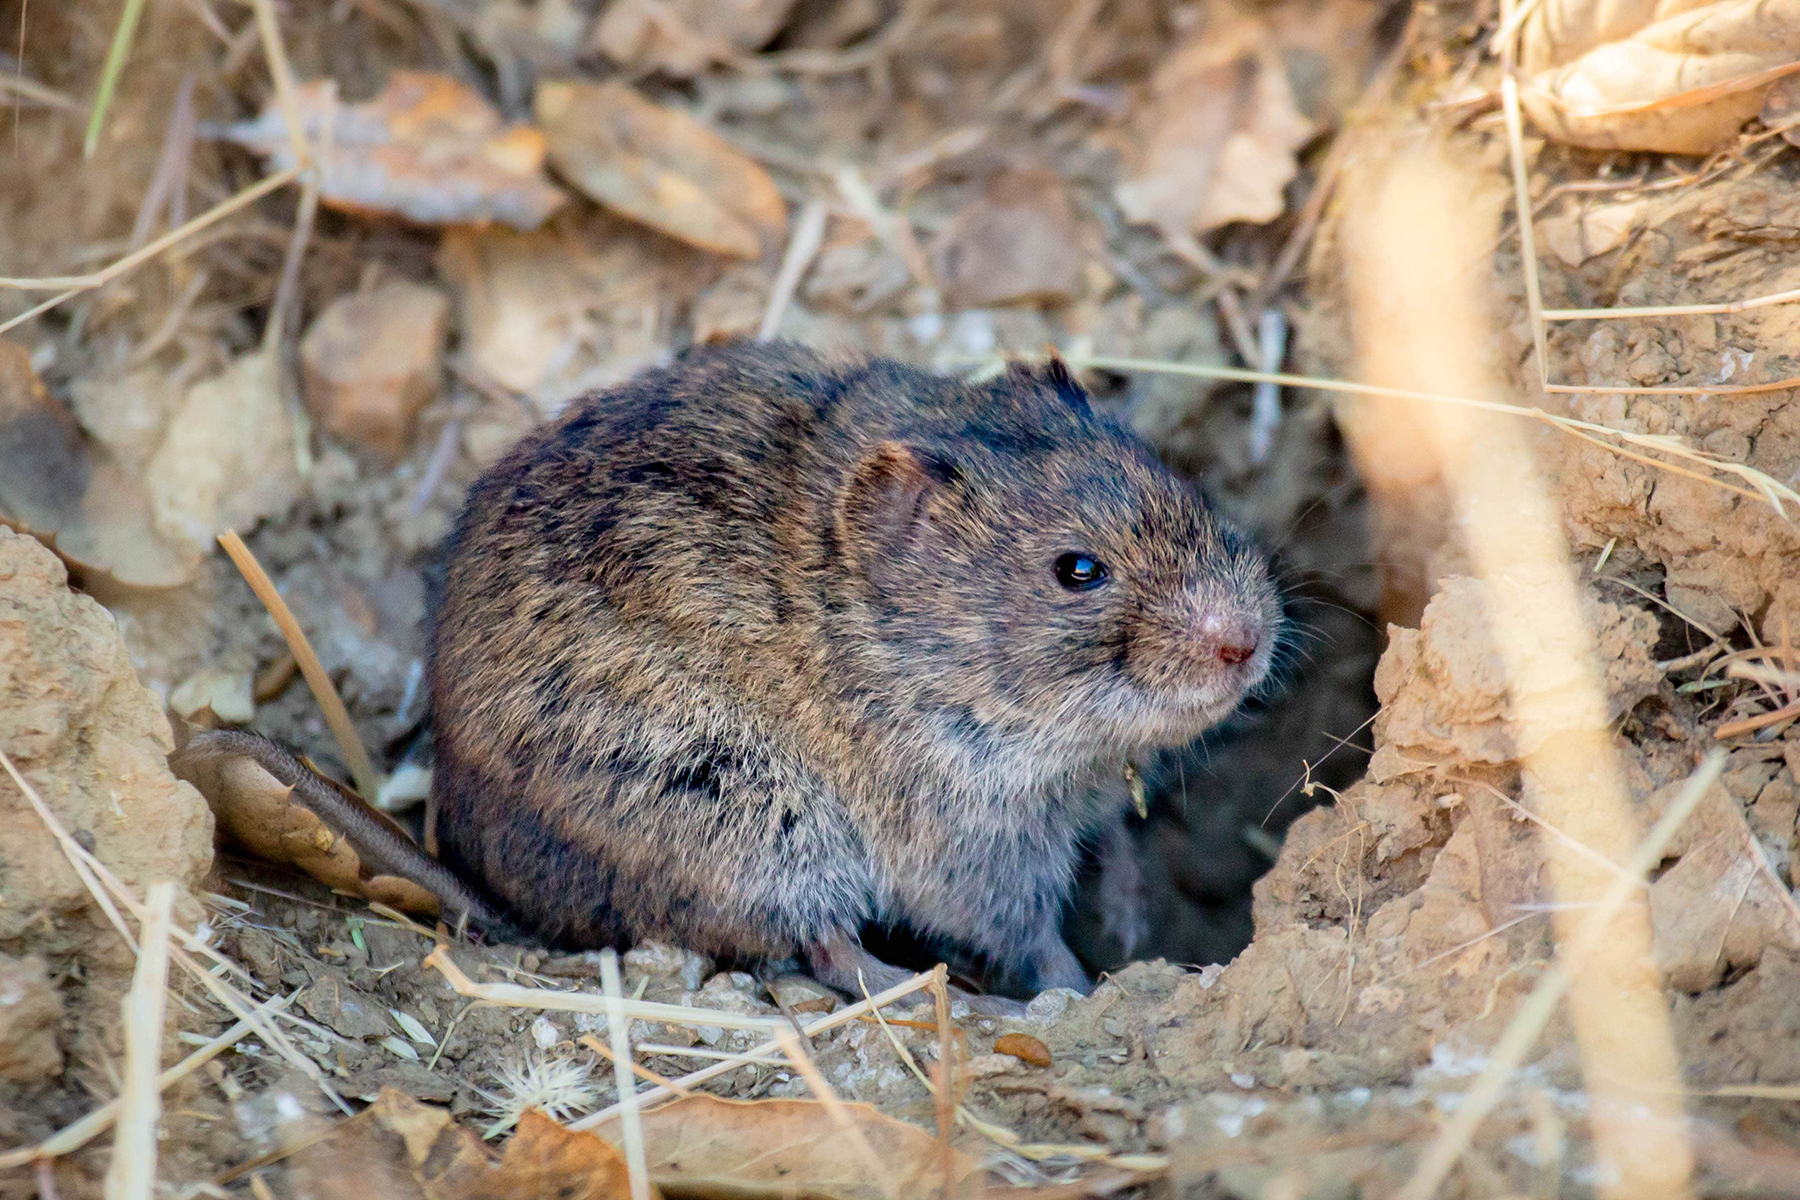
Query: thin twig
[[325, 693], [803, 246]]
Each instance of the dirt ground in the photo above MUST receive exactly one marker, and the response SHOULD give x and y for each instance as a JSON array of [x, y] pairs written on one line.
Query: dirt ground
[[1346, 898]]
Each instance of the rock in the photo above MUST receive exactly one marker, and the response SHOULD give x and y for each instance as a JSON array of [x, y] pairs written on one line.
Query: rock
[[335, 1004], [369, 363], [29, 1012], [94, 743], [223, 691], [799, 994], [660, 960]]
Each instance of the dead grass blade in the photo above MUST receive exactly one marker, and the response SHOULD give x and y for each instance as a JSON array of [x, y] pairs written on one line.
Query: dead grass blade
[[834, 1108], [106, 888], [1762, 487], [637, 1169], [116, 54], [325, 693], [131, 1175], [70, 286], [513, 995]]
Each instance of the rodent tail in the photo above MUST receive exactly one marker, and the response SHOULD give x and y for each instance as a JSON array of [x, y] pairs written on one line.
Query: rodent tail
[[383, 847]]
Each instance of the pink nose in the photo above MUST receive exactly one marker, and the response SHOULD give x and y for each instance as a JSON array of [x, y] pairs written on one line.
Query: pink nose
[[1235, 652]]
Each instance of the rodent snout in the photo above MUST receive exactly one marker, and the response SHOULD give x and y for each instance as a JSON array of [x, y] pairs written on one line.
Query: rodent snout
[[1231, 638]]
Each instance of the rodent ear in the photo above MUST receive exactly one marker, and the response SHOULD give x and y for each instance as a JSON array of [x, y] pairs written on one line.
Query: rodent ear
[[883, 501], [1055, 375]]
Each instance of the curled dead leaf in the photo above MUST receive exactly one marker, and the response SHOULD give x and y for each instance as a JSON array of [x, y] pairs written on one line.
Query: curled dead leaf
[[400, 1147], [74, 495], [701, 1144], [264, 816], [427, 148], [1657, 75], [660, 167], [1216, 141], [1023, 1047]]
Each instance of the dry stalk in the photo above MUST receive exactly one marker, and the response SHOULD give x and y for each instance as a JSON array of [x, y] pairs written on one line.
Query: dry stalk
[[105, 888], [131, 1175], [513, 995], [1766, 487], [802, 248], [637, 1167], [1422, 327], [331, 705]]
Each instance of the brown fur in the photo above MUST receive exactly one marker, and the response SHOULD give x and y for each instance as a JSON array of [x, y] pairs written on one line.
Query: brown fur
[[759, 649]]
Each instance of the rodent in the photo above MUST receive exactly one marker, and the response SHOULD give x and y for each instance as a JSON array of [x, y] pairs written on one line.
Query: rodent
[[760, 649]]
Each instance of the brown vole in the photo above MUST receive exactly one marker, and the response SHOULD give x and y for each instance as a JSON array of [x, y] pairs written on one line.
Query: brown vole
[[760, 649]]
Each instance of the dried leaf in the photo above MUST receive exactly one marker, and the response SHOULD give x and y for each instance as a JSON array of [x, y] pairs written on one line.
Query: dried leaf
[[398, 1147], [226, 459], [1581, 234], [562, 309], [1217, 140], [1653, 76], [701, 1144], [1023, 1047], [264, 816], [427, 148], [72, 494], [1017, 241], [661, 167]]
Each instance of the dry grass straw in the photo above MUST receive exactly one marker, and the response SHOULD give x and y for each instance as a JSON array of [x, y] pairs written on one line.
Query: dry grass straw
[[331, 705], [811, 1029], [110, 894], [1419, 326], [802, 248], [131, 1175], [1762, 485], [513, 995], [631, 1129]]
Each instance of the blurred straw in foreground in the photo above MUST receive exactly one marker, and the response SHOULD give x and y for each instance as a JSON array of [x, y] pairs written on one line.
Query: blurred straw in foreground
[[1421, 324]]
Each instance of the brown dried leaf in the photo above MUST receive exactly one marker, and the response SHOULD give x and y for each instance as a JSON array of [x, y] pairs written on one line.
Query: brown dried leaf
[[661, 167], [398, 1147], [1023, 1047], [226, 459], [427, 148], [72, 495], [1216, 141], [1017, 241], [1653, 74], [265, 817], [701, 1144]]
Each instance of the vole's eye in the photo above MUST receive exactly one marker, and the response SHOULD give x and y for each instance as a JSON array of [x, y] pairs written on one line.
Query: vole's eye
[[1080, 573]]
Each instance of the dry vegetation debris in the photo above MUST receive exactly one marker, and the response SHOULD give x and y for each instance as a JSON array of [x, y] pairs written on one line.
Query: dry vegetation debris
[[519, 201]]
